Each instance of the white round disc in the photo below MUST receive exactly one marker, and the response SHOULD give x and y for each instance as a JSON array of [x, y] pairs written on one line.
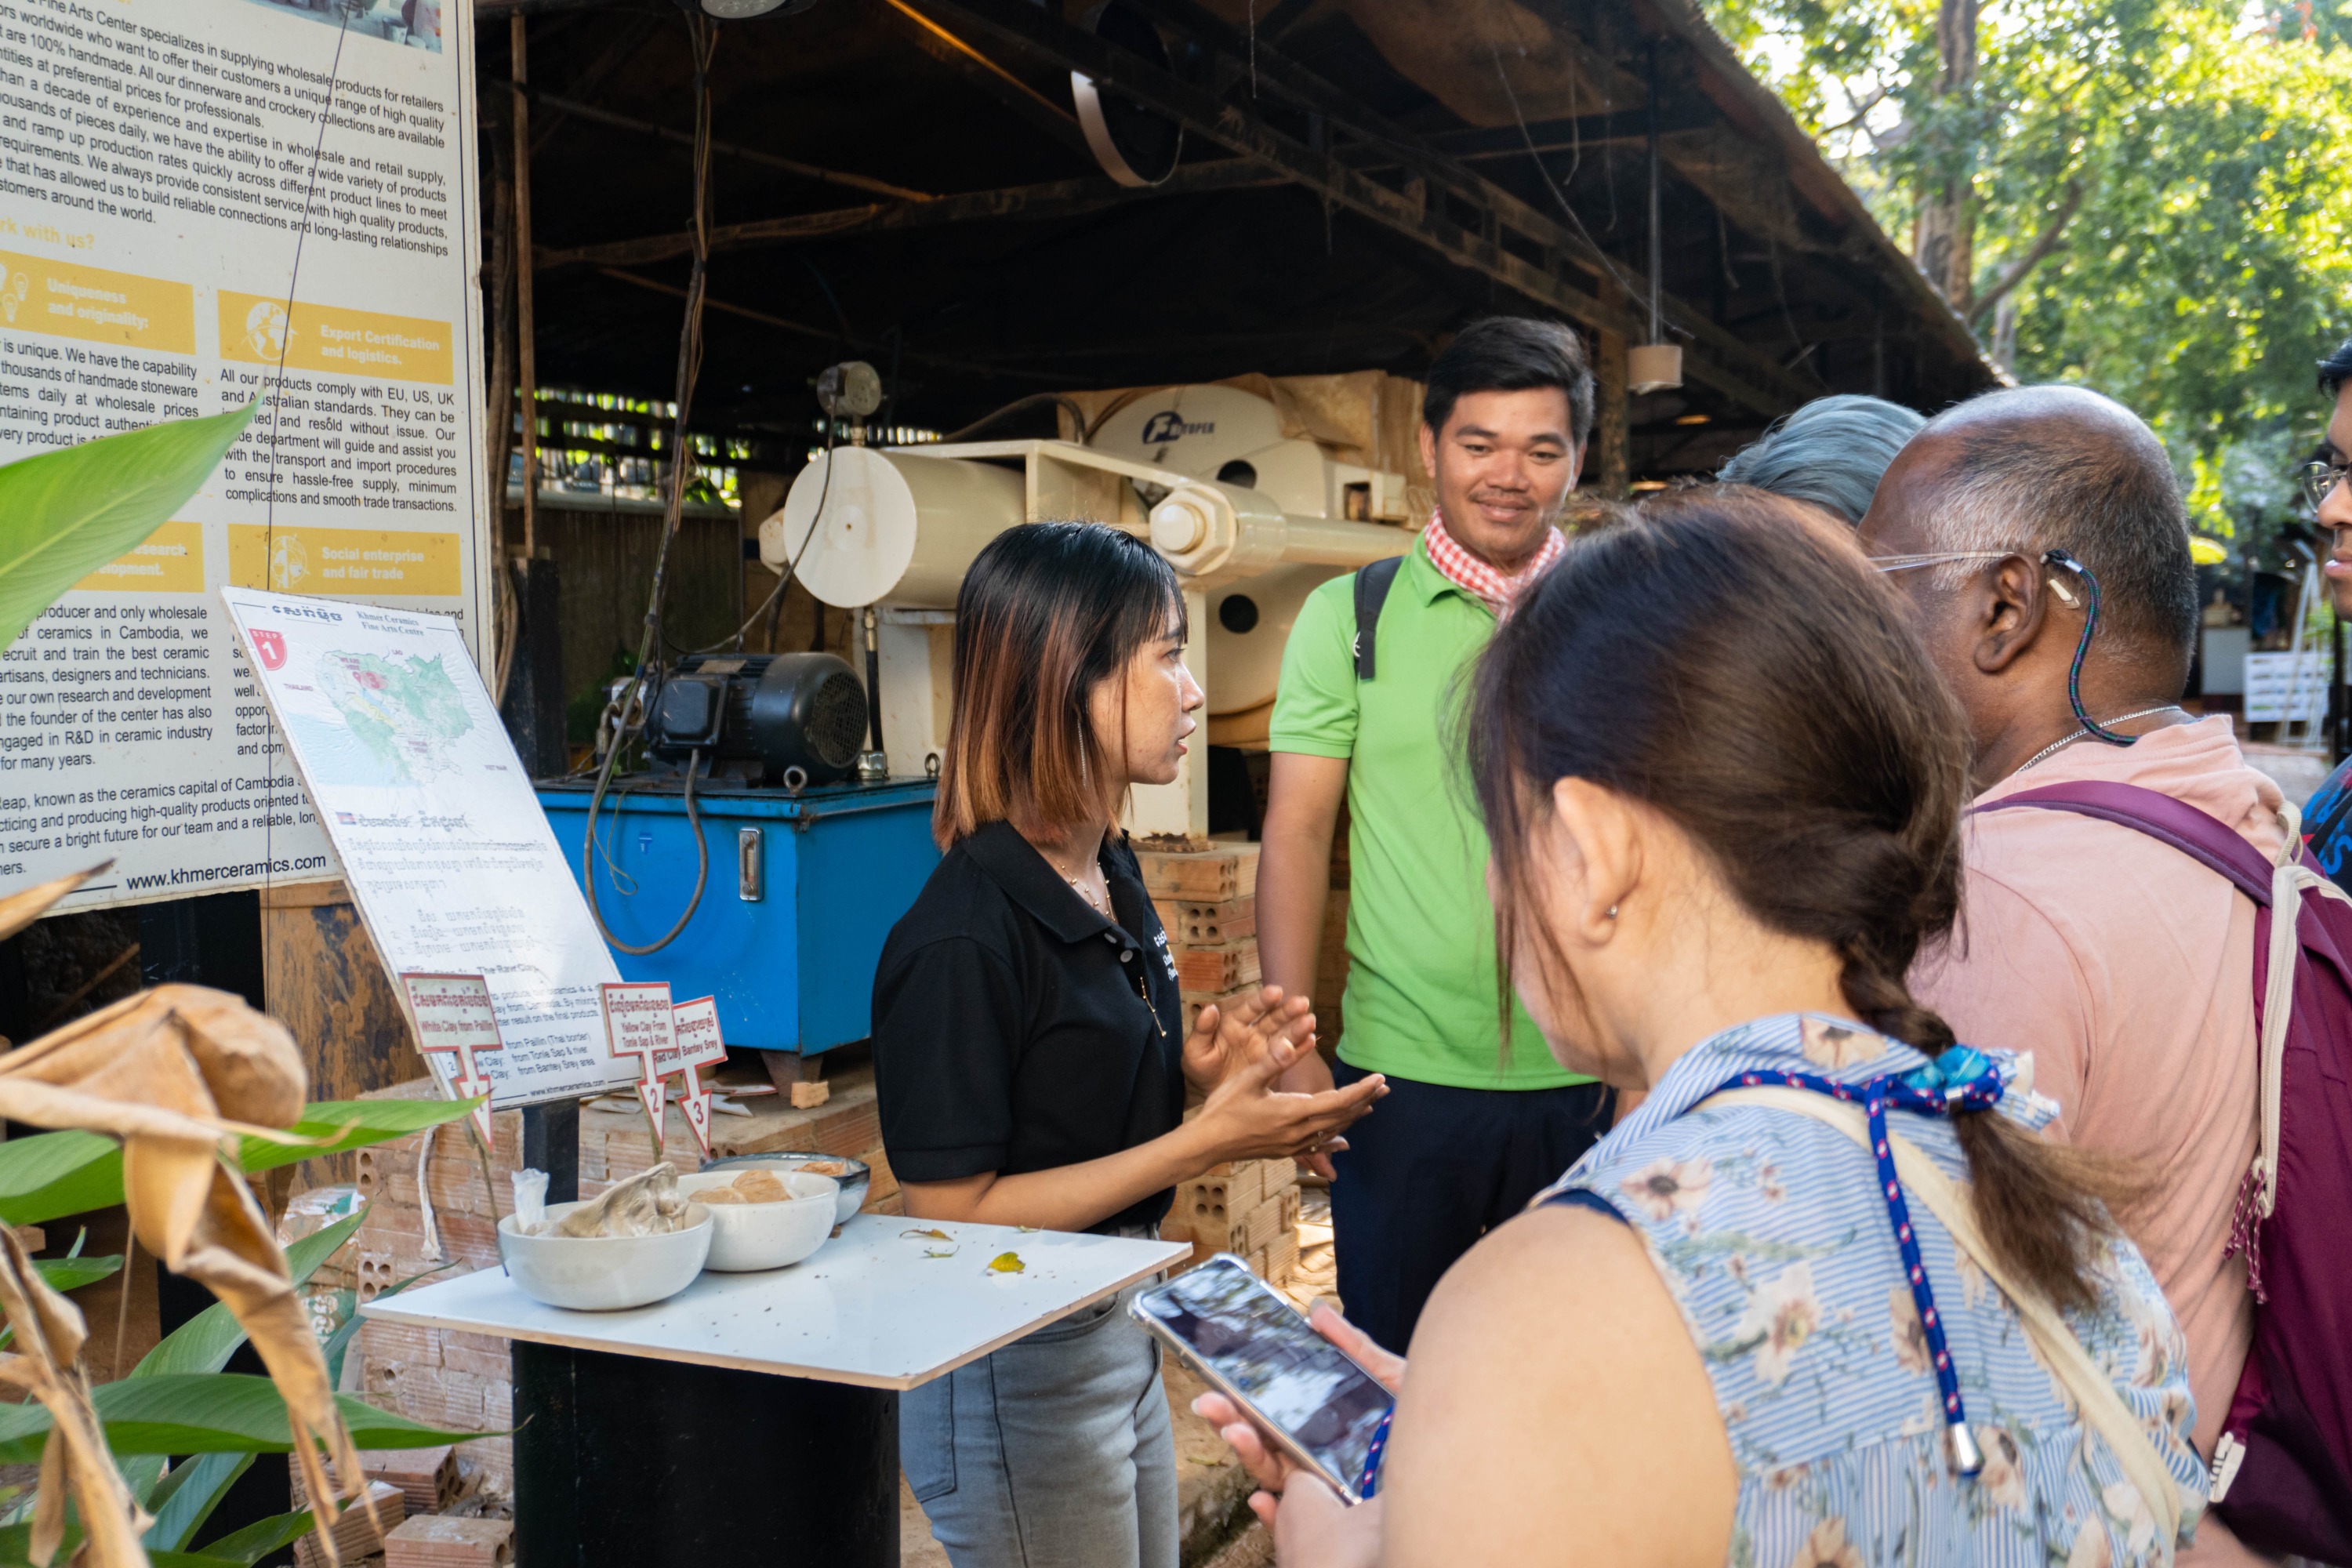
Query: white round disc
[[865, 532]]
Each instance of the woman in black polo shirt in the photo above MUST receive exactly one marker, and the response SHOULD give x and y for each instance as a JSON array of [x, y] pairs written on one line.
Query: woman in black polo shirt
[[1029, 1047]]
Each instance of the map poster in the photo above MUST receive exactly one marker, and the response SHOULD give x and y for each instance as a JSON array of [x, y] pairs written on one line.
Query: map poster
[[641, 1030], [441, 837], [204, 203], [456, 1023]]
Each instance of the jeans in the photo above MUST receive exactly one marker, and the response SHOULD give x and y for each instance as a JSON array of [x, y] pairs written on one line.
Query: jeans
[[1053, 1452], [1431, 1170]]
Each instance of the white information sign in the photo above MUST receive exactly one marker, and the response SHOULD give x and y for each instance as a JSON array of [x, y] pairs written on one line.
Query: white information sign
[[455, 1022], [641, 1030], [2285, 686], [203, 202], [699, 1045], [448, 853]]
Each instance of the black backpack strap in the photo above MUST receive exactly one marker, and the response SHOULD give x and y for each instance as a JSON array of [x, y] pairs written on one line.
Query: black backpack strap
[[1373, 585]]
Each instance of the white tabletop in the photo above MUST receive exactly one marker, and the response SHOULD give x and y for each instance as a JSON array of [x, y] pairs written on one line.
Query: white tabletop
[[872, 1307]]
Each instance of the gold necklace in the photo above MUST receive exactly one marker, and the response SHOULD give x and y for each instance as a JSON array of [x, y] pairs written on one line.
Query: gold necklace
[[1079, 888]]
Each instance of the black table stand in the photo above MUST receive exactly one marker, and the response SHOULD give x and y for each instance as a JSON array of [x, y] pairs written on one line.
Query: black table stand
[[627, 1462]]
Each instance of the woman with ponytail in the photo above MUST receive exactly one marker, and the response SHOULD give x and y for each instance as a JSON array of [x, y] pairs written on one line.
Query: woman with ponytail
[[1825, 1298]]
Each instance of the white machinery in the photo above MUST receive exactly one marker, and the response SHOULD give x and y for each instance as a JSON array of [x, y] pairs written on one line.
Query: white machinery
[[1251, 520]]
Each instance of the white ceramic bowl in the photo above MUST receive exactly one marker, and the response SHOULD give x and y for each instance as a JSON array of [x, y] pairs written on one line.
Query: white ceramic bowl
[[605, 1273], [854, 1183], [766, 1235]]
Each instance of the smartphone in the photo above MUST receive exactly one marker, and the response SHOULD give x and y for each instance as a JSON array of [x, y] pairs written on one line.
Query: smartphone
[[1252, 1346]]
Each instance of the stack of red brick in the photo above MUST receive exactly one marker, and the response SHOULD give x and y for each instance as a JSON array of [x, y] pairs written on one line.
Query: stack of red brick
[[456, 1382], [1207, 901], [404, 1485]]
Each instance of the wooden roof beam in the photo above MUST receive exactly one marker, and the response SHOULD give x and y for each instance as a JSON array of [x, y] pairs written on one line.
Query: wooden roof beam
[[1713, 356], [1055, 199]]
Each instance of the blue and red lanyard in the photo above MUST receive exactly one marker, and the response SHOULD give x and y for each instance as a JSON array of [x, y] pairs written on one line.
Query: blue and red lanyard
[[1934, 1090], [1959, 1080]]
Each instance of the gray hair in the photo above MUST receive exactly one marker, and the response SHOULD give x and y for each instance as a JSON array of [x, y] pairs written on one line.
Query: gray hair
[[2038, 469], [1831, 452]]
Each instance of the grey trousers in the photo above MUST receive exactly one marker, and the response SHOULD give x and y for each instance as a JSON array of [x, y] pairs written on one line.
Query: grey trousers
[[1053, 1452]]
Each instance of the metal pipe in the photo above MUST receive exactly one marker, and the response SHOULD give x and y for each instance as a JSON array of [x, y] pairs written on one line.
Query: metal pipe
[[527, 335], [1657, 247], [1324, 541]]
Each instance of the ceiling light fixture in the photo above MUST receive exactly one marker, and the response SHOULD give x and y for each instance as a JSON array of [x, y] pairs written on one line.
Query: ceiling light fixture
[[738, 10], [1656, 365]]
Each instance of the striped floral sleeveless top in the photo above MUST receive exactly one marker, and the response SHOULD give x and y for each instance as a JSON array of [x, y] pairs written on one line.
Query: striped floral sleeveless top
[[1771, 1232]]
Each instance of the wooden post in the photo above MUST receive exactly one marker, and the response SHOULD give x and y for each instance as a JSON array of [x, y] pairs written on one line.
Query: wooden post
[[1609, 460], [524, 323], [498, 303], [323, 981]]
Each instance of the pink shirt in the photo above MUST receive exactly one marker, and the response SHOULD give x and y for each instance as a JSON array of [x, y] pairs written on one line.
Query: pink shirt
[[2126, 969]]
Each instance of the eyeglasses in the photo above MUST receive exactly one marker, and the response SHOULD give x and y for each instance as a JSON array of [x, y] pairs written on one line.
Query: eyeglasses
[[2063, 562], [2319, 480], [1936, 558]]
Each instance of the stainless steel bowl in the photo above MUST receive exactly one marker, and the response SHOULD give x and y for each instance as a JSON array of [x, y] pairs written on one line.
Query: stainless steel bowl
[[859, 1176]]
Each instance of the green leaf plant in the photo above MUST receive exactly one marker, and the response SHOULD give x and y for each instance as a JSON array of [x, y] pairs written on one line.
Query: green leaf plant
[[65, 513], [206, 1090]]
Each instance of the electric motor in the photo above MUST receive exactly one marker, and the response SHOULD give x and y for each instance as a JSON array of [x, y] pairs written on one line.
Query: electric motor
[[760, 716]]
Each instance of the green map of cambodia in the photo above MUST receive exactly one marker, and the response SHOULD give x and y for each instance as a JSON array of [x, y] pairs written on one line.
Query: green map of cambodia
[[405, 712]]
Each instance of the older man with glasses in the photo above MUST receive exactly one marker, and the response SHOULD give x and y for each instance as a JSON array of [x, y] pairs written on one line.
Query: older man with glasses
[[2040, 537], [2328, 819]]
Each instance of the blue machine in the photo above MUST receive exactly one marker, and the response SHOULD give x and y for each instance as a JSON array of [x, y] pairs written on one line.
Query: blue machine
[[803, 887]]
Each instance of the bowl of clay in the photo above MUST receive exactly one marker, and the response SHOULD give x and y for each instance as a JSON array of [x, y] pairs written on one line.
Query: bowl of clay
[[605, 1273], [769, 1224], [853, 1176]]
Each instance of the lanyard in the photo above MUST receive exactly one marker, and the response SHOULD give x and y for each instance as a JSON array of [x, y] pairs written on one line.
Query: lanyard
[[1939, 1097]]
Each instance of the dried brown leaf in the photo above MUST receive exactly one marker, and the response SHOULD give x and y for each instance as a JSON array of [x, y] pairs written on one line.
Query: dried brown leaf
[[51, 1370], [171, 1072]]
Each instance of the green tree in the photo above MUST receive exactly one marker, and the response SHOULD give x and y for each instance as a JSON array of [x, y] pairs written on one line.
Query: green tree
[[2152, 197]]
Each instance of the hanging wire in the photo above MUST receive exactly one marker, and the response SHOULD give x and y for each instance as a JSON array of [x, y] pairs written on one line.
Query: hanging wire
[[645, 685]]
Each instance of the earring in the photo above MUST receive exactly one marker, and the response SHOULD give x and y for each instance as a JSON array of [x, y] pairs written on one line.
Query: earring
[[1612, 911]]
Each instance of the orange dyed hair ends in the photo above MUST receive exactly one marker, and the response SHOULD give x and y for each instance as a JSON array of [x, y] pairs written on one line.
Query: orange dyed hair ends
[[1047, 611]]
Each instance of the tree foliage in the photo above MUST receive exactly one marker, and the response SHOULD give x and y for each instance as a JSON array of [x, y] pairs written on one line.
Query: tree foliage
[[2187, 164]]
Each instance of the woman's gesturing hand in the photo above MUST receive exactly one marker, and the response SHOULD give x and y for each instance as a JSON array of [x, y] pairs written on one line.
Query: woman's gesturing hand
[[1245, 1117], [1222, 1037]]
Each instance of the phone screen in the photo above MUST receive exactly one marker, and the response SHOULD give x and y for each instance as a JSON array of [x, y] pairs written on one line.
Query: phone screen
[[1290, 1375]]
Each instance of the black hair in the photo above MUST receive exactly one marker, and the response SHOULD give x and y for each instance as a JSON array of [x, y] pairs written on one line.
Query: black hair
[[1728, 657], [2336, 369], [1511, 353], [1047, 610]]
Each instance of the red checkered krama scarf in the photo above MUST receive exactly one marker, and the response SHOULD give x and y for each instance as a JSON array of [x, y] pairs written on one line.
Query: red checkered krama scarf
[[1477, 577]]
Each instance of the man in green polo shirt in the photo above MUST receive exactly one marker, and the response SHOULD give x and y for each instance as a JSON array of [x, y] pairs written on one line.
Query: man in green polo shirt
[[1468, 1132]]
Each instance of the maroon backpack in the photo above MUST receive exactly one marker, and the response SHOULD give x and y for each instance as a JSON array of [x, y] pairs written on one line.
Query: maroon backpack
[[2282, 1476]]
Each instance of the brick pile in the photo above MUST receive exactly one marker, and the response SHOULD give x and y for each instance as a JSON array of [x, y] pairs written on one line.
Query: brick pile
[[356, 1534], [1207, 901], [1249, 1208], [440, 1542]]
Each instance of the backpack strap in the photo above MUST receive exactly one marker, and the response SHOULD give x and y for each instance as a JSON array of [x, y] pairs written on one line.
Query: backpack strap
[[2276, 887], [2094, 1392], [2203, 838], [1373, 585]]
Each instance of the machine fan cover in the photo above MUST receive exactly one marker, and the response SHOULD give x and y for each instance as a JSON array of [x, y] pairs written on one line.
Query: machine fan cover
[[808, 712]]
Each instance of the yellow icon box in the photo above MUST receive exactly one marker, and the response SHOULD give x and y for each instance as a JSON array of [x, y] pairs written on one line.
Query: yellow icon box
[[359, 562], [256, 330], [66, 299], [172, 561]]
